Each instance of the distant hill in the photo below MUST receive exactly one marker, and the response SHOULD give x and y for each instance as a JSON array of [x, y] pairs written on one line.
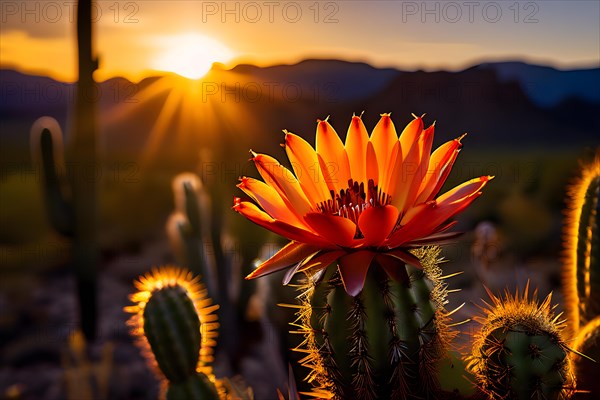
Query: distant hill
[[503, 105], [337, 80], [547, 86]]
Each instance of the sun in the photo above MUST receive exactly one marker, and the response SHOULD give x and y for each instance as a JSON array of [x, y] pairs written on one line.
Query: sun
[[190, 55]]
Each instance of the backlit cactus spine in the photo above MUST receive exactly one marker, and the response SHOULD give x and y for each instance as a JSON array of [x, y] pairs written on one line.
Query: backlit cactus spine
[[519, 353], [384, 343], [582, 248], [175, 324]]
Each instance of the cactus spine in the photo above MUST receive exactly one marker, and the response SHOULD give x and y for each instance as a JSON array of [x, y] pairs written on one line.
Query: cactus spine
[[519, 352], [383, 343], [176, 326], [582, 252], [75, 215]]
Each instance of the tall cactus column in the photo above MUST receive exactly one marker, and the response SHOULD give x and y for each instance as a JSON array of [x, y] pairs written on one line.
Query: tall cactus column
[[582, 274], [83, 173], [71, 201], [582, 252]]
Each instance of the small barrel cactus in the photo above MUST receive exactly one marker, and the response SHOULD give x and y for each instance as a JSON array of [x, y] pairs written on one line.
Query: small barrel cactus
[[385, 342], [519, 352], [176, 326], [582, 248]]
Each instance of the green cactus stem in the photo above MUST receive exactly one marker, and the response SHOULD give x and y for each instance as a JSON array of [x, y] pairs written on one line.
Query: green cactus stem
[[82, 154], [582, 248], [385, 342], [519, 352], [587, 367], [48, 152], [197, 386], [187, 229], [221, 262], [176, 326]]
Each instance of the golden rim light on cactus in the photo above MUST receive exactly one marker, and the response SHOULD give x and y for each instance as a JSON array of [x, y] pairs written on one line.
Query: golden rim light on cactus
[[522, 315], [372, 198], [576, 303], [170, 276]]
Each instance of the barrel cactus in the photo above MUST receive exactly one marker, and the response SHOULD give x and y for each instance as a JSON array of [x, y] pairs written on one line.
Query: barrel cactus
[[384, 343], [519, 353], [175, 325]]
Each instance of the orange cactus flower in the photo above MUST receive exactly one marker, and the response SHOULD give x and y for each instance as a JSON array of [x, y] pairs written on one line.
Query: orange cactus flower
[[370, 200]]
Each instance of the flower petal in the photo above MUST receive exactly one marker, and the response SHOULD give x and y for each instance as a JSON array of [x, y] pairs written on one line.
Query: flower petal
[[406, 257], [395, 184], [356, 149], [414, 169], [387, 178], [372, 168], [353, 270], [440, 165], [384, 138], [305, 163], [283, 181], [316, 262], [395, 269], [376, 223], [291, 253], [404, 179], [332, 157], [270, 201], [429, 216], [409, 135], [259, 217], [334, 228], [437, 239], [463, 190]]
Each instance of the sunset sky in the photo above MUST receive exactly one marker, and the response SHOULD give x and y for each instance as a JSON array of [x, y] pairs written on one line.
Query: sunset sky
[[137, 37]]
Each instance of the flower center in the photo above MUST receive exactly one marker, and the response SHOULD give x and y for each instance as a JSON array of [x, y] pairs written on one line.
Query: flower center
[[352, 201]]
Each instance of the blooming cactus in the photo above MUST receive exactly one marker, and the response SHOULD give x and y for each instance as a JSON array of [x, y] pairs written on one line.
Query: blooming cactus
[[370, 199]]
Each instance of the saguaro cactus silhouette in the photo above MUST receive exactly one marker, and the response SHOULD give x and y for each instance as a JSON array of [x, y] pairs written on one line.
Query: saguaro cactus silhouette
[[73, 209]]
